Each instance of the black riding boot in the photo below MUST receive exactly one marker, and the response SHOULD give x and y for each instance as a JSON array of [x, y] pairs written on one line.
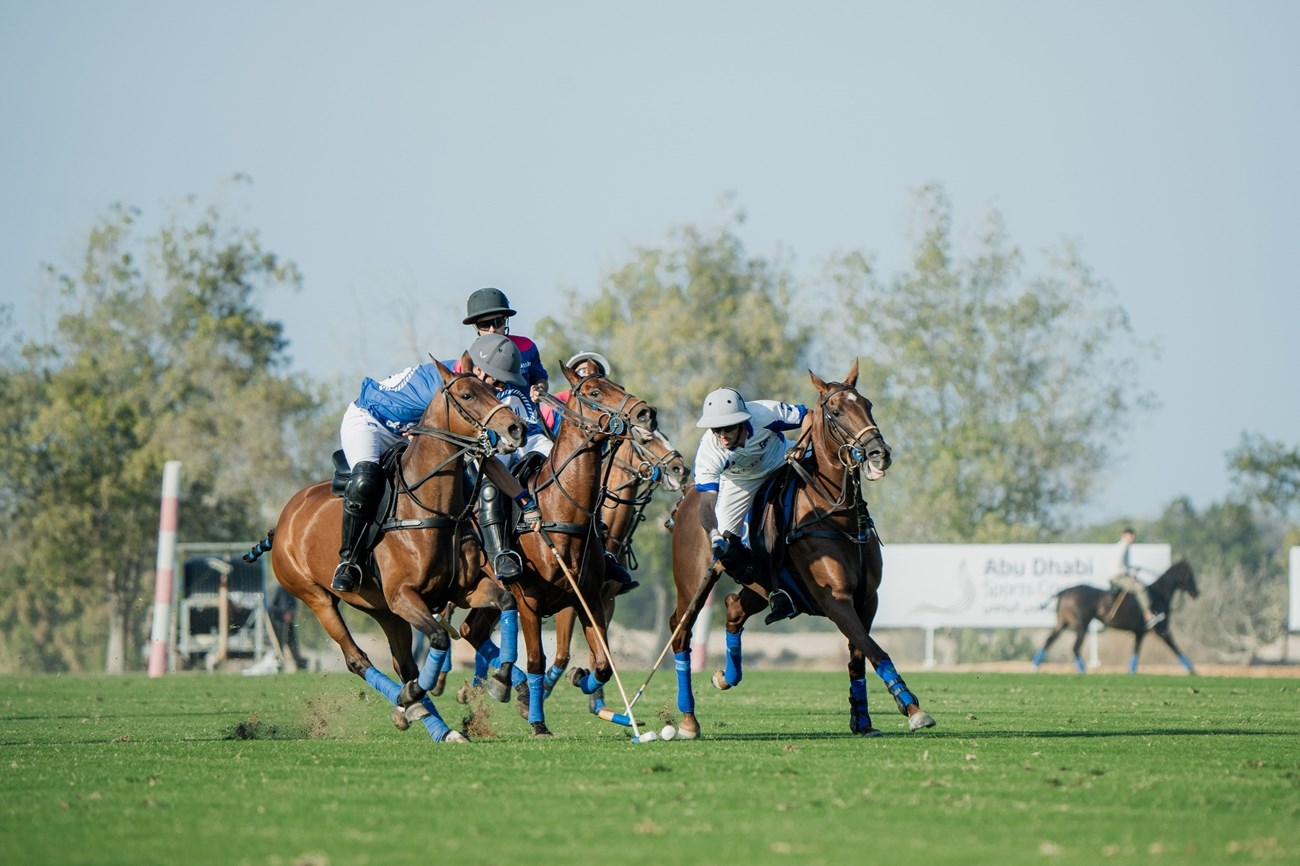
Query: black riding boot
[[361, 496], [615, 571], [782, 607], [492, 512]]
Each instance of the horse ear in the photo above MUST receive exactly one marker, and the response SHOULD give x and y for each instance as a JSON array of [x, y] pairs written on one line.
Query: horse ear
[[573, 377], [818, 382], [466, 362], [852, 378], [442, 369]]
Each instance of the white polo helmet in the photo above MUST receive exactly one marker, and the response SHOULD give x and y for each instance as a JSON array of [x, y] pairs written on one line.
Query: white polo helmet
[[600, 360], [498, 356], [722, 408]]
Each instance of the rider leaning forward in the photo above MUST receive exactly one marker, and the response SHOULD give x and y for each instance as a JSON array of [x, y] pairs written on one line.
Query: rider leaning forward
[[386, 409], [745, 444]]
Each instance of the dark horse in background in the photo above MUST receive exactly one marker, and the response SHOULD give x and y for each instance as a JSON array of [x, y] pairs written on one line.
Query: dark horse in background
[[820, 535], [1078, 606], [425, 556]]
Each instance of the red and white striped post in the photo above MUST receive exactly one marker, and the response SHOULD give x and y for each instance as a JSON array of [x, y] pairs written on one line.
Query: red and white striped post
[[165, 574]]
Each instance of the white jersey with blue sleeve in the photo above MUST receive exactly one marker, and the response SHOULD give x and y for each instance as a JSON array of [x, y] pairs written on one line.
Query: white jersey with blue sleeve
[[763, 451]]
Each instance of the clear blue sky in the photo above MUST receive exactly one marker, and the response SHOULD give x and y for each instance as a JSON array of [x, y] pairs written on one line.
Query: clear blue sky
[[406, 153]]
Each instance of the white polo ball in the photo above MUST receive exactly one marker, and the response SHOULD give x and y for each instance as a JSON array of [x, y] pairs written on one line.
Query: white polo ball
[[668, 732]]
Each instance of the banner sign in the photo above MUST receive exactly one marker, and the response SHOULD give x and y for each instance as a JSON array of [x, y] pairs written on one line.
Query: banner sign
[[1000, 585]]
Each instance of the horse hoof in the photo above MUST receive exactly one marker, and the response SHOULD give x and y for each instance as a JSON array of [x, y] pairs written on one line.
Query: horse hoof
[[439, 685], [454, 737], [575, 677], [870, 733], [415, 712], [540, 730], [719, 680], [399, 719], [464, 693], [920, 719], [498, 691], [686, 734]]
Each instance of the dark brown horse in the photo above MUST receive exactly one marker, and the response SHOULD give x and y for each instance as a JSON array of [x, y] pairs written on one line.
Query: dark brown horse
[[827, 541], [639, 466], [565, 556], [1078, 606], [422, 560]]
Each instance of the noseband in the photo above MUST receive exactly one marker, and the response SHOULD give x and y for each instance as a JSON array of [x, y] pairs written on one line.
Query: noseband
[[853, 447]]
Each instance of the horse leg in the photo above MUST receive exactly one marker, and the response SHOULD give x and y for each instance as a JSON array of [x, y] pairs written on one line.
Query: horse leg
[[530, 626], [1051, 639], [410, 704], [1163, 631], [740, 607], [904, 698], [859, 716], [564, 621], [1080, 631], [1138, 637]]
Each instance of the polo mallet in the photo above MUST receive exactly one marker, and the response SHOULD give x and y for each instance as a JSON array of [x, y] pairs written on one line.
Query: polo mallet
[[636, 734], [714, 570]]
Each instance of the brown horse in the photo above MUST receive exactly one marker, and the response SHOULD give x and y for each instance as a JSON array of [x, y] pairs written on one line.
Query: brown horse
[[422, 560], [565, 556], [638, 467], [826, 540], [1078, 606]]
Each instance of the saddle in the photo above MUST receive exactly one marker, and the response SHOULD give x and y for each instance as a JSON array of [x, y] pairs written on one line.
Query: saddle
[[771, 530], [525, 472], [385, 512]]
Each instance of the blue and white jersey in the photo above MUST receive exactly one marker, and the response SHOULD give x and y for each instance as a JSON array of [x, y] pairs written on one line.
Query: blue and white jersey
[[399, 401], [763, 451], [518, 401]]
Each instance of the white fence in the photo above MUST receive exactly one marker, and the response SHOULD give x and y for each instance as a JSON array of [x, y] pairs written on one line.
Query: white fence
[[1295, 589]]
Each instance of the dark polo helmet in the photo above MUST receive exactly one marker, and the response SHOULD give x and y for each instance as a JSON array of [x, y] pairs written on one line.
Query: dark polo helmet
[[486, 302], [498, 356]]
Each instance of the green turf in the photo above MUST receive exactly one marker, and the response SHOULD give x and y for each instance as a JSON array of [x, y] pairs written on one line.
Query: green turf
[[307, 769]]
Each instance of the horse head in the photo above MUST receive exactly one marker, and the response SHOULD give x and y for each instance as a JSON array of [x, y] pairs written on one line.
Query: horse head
[[1184, 578], [471, 410], [844, 424], [657, 459], [604, 408]]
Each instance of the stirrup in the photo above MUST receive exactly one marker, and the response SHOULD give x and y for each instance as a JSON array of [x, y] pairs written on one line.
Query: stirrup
[[507, 566], [1155, 619], [782, 606], [344, 581]]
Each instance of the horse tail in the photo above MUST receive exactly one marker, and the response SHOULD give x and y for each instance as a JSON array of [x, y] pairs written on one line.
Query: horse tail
[[256, 551], [1050, 600]]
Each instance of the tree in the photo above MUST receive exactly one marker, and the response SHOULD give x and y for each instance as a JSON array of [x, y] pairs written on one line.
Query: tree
[[1268, 472], [1001, 393], [159, 353]]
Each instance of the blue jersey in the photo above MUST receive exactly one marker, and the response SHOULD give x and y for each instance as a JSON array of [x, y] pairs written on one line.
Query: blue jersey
[[399, 401]]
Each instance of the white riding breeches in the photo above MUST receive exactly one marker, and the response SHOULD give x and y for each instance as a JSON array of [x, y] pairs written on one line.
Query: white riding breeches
[[363, 437], [734, 498]]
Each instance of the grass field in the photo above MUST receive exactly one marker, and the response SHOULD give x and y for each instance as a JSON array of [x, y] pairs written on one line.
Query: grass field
[[307, 769]]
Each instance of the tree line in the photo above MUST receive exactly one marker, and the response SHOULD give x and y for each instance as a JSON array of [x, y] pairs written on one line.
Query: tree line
[[1000, 389]]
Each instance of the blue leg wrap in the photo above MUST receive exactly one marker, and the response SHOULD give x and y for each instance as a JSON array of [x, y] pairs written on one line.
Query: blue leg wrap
[[432, 666], [1133, 664], [446, 662], [596, 702], [517, 676], [552, 676], [536, 695], [1038, 658], [733, 671], [685, 697], [859, 718], [1078, 663], [383, 684], [486, 656], [433, 722], [902, 694], [509, 637], [589, 683], [1186, 662]]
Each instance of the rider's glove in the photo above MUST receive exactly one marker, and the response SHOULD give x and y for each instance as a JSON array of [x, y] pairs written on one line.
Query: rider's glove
[[532, 514], [718, 543]]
